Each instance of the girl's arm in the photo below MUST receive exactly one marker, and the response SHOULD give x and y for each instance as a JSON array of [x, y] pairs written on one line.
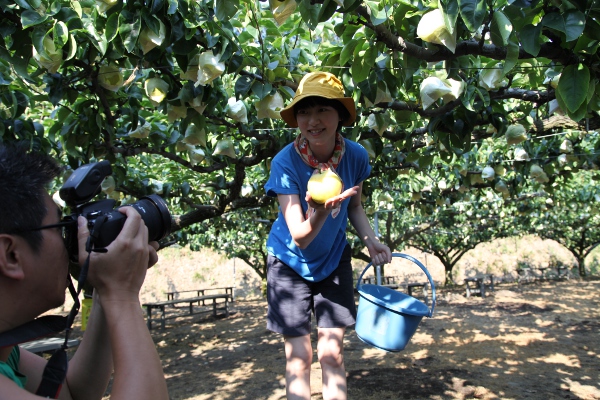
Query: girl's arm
[[379, 252]]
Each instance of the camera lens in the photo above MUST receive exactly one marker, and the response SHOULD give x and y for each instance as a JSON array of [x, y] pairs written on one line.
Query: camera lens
[[156, 216], [105, 223]]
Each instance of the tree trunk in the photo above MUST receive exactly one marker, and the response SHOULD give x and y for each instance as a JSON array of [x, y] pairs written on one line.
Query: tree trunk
[[581, 265], [448, 275]]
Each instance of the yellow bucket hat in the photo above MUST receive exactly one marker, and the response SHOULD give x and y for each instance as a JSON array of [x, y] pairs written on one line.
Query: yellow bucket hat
[[320, 84]]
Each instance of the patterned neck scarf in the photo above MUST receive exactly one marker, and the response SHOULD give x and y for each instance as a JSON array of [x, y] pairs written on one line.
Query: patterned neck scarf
[[303, 149]]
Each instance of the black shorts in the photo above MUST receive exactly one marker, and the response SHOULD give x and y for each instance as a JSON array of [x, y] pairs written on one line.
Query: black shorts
[[292, 299]]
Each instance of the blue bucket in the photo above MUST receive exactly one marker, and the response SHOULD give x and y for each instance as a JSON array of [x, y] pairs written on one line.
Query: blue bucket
[[386, 318]]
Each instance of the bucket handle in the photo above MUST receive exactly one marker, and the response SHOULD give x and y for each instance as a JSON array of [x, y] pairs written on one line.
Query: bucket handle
[[410, 258]]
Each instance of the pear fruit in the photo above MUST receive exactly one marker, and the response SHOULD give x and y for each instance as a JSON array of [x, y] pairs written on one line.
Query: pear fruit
[[324, 185]]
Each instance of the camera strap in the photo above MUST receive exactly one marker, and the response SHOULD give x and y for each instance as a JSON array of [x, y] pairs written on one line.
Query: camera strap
[[55, 370], [39, 327], [57, 366]]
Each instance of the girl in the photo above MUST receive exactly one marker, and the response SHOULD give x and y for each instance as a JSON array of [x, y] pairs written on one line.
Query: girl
[[309, 263]]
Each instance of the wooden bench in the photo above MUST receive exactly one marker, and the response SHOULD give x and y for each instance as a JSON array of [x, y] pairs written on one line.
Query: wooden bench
[[542, 275], [386, 281], [559, 272], [414, 285], [563, 272], [199, 301], [479, 285], [199, 292], [48, 345], [525, 274]]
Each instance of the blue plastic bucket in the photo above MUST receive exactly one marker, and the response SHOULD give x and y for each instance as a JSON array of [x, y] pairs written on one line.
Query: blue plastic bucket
[[386, 318]]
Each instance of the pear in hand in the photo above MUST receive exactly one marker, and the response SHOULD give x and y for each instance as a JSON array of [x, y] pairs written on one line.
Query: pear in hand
[[324, 185]]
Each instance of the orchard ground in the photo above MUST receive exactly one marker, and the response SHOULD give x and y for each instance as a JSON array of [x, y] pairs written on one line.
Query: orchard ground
[[536, 341]]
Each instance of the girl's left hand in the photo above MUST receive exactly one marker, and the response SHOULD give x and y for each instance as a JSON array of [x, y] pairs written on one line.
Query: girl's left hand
[[380, 253]]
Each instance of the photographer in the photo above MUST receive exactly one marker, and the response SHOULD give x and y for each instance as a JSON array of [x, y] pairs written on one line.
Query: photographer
[[34, 277]]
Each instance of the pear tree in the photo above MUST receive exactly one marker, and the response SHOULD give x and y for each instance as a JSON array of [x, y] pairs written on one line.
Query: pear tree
[[183, 96]]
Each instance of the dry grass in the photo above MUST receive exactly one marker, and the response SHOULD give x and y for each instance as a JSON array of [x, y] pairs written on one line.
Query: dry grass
[[182, 269]]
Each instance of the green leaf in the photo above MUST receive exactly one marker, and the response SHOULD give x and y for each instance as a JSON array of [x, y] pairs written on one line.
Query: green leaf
[[363, 62], [571, 23], [368, 88], [412, 157], [37, 39], [500, 29], [586, 45], [243, 85], [472, 12], [24, 4], [574, 24], [348, 32], [36, 4], [348, 50], [60, 34], [185, 188], [327, 10], [152, 22], [573, 86], [426, 160], [378, 13], [512, 55], [112, 27], [76, 5], [555, 21], [157, 5], [129, 31], [31, 18], [582, 111], [561, 101], [578, 114], [450, 12], [173, 5], [309, 13], [411, 65], [530, 38], [261, 89], [226, 9], [72, 47]]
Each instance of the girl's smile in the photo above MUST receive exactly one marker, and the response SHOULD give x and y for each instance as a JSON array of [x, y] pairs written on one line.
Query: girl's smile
[[319, 125]]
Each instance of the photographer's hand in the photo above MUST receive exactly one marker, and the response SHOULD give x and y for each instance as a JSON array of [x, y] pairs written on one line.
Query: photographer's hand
[[122, 268]]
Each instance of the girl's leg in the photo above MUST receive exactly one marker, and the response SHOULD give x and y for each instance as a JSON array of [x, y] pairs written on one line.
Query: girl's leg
[[330, 351], [298, 354]]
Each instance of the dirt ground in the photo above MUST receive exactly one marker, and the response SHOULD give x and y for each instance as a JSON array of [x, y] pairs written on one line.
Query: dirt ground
[[536, 341]]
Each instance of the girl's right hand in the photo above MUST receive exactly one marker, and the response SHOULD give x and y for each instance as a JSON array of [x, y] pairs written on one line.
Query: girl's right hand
[[333, 202]]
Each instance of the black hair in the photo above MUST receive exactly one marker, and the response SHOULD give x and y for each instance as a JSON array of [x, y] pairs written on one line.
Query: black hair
[[23, 179], [314, 101]]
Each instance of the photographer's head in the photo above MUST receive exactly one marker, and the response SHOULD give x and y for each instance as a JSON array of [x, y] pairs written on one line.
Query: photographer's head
[[33, 257], [23, 179]]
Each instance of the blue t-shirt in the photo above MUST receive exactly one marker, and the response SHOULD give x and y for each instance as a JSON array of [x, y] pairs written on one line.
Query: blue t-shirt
[[290, 175], [10, 368]]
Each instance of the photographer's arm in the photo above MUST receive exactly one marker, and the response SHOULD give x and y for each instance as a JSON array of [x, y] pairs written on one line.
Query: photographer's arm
[[92, 365], [118, 332]]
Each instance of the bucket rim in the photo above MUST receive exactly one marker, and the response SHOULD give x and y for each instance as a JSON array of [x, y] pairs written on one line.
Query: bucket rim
[[387, 306], [420, 265]]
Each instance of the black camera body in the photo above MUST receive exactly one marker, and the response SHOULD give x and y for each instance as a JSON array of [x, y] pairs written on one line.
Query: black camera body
[[104, 220]]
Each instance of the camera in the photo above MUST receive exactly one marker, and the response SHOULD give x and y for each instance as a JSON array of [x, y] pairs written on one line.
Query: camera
[[104, 220]]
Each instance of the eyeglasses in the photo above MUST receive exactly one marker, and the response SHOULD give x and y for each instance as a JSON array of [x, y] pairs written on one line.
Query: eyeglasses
[[67, 233]]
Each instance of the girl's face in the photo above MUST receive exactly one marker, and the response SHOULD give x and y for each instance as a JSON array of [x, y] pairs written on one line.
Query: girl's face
[[318, 124]]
